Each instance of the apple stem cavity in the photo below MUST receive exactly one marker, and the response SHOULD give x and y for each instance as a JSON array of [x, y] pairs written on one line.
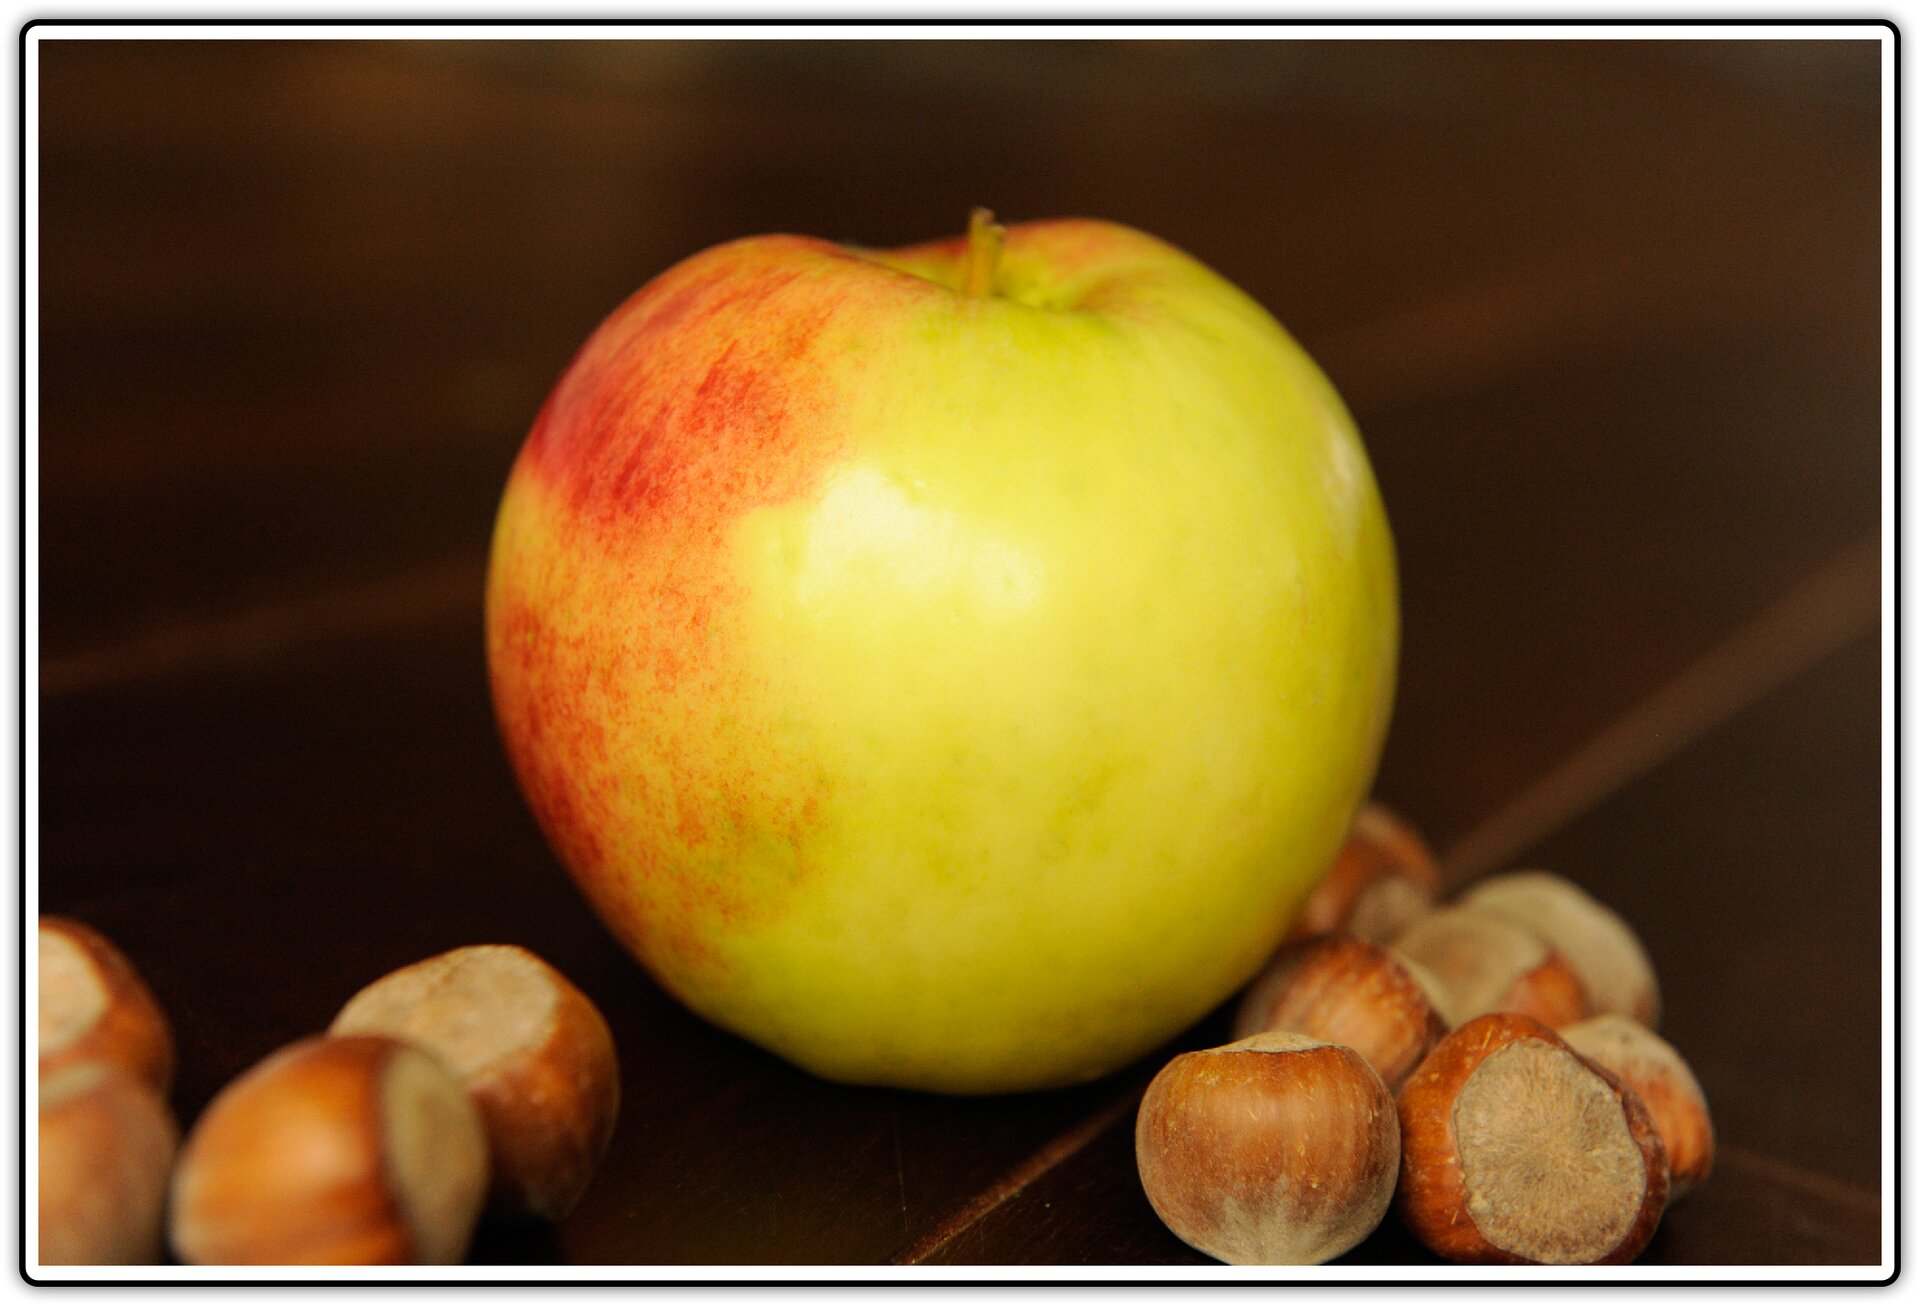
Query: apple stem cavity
[[985, 239]]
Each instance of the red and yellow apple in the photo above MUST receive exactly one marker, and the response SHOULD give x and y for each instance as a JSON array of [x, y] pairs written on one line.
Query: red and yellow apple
[[948, 667]]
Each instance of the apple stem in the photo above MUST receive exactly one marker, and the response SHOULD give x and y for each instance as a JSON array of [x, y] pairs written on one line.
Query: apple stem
[[985, 237]]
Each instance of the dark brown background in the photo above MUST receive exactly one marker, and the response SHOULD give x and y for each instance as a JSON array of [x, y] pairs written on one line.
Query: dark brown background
[[1608, 314]]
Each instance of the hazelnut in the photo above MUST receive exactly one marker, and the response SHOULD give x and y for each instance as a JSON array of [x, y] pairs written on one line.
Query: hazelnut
[[1276, 1150], [531, 1049], [1515, 1149], [1383, 877], [1648, 1064], [95, 1007], [1480, 963], [1602, 949], [1346, 991], [106, 1145], [334, 1151]]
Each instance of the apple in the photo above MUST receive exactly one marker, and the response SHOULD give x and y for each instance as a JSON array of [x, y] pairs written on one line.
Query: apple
[[948, 667]]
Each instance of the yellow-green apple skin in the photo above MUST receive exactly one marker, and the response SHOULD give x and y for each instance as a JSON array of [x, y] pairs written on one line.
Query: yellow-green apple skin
[[949, 690]]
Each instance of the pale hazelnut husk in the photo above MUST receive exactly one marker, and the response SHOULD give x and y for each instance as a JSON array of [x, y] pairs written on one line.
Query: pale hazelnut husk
[[1661, 1077], [1603, 950], [1515, 1149], [532, 1050], [1275, 1150], [1347, 991], [333, 1151], [93, 1006], [1383, 878], [1479, 963], [107, 1143]]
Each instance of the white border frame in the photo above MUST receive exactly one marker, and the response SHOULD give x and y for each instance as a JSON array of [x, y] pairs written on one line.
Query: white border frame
[[53, 29]]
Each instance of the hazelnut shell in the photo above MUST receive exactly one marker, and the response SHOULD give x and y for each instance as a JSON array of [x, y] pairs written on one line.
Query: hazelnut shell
[[1664, 1082], [1507, 1178], [1276, 1150], [1606, 955], [333, 1151], [1481, 963], [107, 1143], [1383, 877], [95, 1007], [533, 1051], [1346, 991]]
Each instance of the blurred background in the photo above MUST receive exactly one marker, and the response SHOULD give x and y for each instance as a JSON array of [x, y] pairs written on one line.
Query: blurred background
[[1607, 314]]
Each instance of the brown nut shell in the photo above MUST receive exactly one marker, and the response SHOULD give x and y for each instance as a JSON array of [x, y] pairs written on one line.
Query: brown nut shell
[[333, 1151], [1517, 1150], [1347, 991], [531, 1048], [1603, 950], [1483, 963], [1653, 1069], [95, 1007], [106, 1146], [1276, 1150], [1381, 880]]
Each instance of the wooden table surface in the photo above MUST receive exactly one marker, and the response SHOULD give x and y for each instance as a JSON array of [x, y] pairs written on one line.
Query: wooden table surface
[[1607, 313]]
